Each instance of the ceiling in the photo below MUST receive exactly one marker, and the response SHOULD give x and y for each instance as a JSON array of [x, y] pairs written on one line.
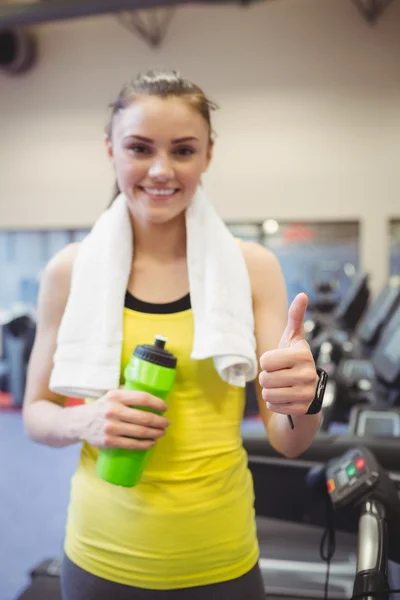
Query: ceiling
[[20, 13]]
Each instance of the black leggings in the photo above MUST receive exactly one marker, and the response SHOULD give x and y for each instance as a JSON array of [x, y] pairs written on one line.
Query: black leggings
[[77, 584]]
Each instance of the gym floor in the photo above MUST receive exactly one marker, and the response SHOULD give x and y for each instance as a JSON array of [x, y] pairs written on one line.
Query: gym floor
[[32, 513]]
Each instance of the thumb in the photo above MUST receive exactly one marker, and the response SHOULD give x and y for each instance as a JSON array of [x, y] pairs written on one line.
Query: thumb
[[294, 331]]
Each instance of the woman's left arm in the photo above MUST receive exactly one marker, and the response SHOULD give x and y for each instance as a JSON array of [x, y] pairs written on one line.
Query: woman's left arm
[[288, 379]]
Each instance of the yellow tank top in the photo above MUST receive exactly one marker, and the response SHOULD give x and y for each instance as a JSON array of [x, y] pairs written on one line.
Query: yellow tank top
[[191, 519]]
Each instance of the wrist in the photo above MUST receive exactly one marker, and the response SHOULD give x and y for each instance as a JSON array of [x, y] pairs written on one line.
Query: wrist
[[77, 421], [308, 419]]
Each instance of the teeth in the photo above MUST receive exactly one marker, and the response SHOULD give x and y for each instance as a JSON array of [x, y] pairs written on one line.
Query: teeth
[[159, 192]]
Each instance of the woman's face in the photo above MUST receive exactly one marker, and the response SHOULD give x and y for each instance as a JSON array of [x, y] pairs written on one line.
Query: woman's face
[[159, 149]]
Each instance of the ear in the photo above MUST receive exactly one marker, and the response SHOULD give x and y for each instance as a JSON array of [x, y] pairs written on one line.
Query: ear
[[210, 153], [109, 149]]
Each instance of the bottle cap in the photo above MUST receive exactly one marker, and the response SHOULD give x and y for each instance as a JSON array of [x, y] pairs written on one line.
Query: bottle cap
[[156, 353]]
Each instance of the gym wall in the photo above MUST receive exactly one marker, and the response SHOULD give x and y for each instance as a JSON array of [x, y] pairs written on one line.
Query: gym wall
[[308, 127]]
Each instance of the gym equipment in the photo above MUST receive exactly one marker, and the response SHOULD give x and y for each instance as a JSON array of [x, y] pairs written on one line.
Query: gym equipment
[[379, 313], [279, 502], [357, 479], [325, 279], [372, 422], [372, 325], [373, 382], [45, 582], [338, 325], [351, 363], [17, 334], [151, 369]]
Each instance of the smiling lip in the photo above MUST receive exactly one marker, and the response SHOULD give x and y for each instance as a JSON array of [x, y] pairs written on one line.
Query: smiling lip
[[159, 193]]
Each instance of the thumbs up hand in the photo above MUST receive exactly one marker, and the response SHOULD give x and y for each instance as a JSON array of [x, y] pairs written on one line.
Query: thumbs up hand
[[289, 378]]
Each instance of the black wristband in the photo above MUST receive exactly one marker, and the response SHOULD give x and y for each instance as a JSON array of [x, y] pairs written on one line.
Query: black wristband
[[316, 404]]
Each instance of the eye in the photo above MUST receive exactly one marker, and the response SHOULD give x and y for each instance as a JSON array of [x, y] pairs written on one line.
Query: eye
[[184, 151], [139, 149]]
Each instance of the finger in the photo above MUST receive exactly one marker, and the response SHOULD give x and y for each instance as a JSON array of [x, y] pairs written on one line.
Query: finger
[[294, 330], [117, 429], [120, 413], [302, 374], [278, 396], [303, 394], [277, 379], [127, 443], [275, 360], [133, 398]]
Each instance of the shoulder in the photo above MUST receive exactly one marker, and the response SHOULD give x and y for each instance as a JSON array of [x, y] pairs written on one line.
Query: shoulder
[[59, 267], [260, 261], [55, 279], [266, 278], [268, 288]]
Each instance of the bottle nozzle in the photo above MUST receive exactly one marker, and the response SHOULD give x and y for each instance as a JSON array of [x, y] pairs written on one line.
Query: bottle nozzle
[[160, 341]]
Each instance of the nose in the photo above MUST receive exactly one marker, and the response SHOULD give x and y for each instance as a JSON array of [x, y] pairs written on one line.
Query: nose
[[161, 169]]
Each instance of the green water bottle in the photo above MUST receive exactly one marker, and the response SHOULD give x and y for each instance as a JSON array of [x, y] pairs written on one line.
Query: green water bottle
[[151, 369]]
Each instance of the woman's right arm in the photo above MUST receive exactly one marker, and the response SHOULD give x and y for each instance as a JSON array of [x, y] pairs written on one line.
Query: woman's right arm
[[45, 419], [110, 421]]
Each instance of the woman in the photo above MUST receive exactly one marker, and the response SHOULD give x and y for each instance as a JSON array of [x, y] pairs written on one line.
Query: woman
[[188, 529]]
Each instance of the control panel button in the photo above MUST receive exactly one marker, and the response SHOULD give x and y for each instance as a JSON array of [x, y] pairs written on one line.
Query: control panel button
[[351, 470], [360, 463], [342, 478], [331, 485]]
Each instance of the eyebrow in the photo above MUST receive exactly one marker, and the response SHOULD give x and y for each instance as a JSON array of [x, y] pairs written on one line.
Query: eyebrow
[[177, 141]]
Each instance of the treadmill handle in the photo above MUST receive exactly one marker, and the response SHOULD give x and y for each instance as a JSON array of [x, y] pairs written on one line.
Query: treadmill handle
[[372, 560]]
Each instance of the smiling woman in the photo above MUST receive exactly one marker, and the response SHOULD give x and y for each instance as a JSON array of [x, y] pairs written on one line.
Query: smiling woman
[[187, 530]]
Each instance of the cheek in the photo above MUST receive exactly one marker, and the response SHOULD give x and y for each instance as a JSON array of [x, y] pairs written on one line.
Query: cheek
[[190, 173], [130, 170]]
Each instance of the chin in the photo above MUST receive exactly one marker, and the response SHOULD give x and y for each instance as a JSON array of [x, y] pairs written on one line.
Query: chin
[[160, 215]]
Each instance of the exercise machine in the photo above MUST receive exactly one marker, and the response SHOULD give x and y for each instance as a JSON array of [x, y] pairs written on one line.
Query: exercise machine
[[17, 334], [325, 280], [285, 498], [369, 381], [340, 345], [343, 319], [377, 316], [357, 479], [372, 382]]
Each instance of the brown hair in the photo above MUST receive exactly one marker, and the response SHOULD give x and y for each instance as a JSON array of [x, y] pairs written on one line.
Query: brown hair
[[163, 84]]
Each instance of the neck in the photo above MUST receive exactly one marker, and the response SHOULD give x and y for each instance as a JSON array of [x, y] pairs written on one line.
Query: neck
[[162, 242]]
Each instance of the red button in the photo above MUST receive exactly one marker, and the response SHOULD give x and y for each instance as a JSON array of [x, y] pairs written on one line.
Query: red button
[[360, 463], [330, 485]]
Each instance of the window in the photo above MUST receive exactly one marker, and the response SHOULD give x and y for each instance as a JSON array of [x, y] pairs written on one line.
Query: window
[[23, 255], [310, 253]]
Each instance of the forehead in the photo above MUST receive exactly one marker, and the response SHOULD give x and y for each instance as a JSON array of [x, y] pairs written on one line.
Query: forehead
[[157, 118]]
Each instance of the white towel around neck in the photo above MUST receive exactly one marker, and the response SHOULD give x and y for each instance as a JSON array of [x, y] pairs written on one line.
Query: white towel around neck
[[89, 343]]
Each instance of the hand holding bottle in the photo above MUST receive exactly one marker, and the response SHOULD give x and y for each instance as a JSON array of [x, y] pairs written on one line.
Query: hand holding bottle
[[112, 421]]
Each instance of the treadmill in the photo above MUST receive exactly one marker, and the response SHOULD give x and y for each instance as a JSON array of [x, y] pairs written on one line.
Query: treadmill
[[292, 519], [377, 316], [362, 376], [343, 319], [374, 382]]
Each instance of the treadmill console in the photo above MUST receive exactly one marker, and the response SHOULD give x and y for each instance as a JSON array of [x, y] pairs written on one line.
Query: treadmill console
[[351, 476]]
